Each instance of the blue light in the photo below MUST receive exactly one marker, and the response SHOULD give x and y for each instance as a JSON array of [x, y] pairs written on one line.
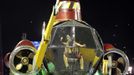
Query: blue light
[[36, 44]]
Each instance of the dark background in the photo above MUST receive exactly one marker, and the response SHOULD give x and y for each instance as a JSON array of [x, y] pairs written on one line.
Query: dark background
[[113, 19], [1, 62]]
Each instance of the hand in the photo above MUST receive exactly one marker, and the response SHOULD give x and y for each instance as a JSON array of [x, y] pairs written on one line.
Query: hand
[[61, 38], [84, 45]]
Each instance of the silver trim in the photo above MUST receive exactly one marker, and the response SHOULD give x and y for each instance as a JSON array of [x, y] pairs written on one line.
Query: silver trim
[[124, 57], [11, 58]]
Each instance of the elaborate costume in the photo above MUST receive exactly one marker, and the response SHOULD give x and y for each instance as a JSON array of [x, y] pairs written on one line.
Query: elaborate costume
[[72, 54]]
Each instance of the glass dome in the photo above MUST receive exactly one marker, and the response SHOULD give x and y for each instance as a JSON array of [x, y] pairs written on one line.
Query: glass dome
[[73, 47]]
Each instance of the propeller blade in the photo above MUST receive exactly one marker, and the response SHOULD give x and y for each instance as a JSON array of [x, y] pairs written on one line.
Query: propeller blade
[[30, 66], [121, 60], [118, 71], [19, 66], [31, 55], [110, 64], [19, 55]]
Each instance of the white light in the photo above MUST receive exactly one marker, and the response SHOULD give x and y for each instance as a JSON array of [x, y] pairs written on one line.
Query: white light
[[43, 28], [130, 69]]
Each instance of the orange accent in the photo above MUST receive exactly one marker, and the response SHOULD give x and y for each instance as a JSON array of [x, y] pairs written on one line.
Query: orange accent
[[108, 47], [66, 14]]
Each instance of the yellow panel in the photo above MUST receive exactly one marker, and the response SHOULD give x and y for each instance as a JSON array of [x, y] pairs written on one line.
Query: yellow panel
[[39, 56], [88, 54], [105, 67], [75, 6], [95, 60]]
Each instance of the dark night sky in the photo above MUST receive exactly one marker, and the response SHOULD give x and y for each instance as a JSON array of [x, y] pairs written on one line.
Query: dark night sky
[[113, 19]]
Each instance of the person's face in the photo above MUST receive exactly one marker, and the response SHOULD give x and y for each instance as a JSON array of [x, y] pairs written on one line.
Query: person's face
[[68, 38]]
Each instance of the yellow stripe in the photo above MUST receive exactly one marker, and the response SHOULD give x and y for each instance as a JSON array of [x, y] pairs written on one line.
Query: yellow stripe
[[44, 43], [105, 67], [75, 6], [95, 60], [68, 4], [59, 5]]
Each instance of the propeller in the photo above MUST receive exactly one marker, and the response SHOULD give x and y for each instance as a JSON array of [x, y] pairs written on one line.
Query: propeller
[[21, 58], [118, 66], [23, 61], [117, 62]]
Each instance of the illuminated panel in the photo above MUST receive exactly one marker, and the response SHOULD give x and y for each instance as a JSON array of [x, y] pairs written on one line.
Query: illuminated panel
[[36, 44]]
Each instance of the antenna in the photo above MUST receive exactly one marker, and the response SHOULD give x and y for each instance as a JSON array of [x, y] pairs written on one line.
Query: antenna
[[24, 36]]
